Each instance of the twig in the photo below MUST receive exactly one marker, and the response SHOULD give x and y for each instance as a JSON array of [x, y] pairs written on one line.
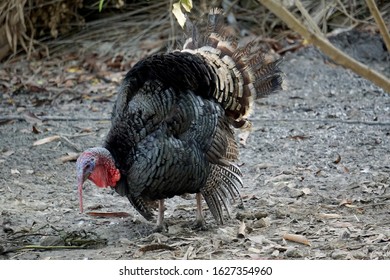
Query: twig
[[381, 23], [71, 144], [324, 121], [308, 18], [53, 118], [325, 46], [39, 247]]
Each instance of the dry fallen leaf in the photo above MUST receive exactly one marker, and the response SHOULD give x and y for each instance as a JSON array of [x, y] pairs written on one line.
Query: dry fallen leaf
[[35, 130], [341, 224], [306, 191], [189, 253], [47, 140], [241, 230], [7, 153], [345, 202], [35, 88], [29, 171], [108, 214], [299, 137], [254, 250], [296, 238], [69, 157], [329, 216], [152, 247], [74, 69], [337, 160], [15, 171]]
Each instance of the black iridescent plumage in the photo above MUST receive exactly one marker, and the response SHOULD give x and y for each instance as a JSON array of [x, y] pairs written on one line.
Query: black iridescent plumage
[[172, 124]]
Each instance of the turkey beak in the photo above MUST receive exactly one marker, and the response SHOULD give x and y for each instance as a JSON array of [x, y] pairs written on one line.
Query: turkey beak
[[80, 182], [80, 191]]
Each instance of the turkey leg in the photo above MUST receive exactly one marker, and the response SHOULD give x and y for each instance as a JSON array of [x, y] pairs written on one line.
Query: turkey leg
[[160, 217], [200, 222]]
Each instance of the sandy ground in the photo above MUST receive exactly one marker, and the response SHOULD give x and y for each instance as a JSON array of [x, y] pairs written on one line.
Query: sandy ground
[[316, 165]]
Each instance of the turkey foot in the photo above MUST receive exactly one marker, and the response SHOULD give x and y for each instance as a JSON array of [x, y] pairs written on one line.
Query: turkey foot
[[200, 223], [161, 226]]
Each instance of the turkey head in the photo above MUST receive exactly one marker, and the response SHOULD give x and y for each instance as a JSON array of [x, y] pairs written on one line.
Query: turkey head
[[97, 165]]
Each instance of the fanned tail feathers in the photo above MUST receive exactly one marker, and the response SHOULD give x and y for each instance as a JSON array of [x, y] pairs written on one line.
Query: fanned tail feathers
[[242, 73], [221, 188]]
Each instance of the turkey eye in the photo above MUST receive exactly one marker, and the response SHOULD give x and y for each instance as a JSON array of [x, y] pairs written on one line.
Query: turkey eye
[[89, 166]]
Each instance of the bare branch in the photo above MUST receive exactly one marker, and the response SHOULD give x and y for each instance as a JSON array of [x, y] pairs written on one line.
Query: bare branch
[[381, 23], [326, 47]]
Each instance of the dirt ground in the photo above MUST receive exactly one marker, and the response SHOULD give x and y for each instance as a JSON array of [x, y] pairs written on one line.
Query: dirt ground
[[317, 165]]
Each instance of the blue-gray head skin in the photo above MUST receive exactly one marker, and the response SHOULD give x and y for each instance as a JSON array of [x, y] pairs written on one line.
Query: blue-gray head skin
[[97, 165]]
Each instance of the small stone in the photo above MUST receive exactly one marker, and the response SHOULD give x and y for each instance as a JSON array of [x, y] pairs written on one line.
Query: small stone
[[15, 172], [175, 229], [345, 235], [51, 241], [263, 222], [125, 241], [339, 255], [242, 215], [293, 192], [281, 214], [258, 215], [275, 253], [254, 250], [157, 237], [292, 252], [359, 255]]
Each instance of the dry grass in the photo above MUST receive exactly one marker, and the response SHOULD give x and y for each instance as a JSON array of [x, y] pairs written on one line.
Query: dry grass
[[58, 23], [13, 27], [23, 22]]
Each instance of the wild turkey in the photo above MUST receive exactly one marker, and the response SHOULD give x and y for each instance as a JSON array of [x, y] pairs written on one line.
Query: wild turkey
[[172, 124]]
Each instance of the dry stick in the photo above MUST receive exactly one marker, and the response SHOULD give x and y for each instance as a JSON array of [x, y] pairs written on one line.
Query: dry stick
[[308, 18], [381, 23], [325, 46], [39, 247], [53, 118], [349, 122]]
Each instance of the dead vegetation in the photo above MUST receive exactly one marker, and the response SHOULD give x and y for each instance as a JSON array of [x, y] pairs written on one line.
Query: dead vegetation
[[313, 35], [317, 167], [29, 25], [128, 30]]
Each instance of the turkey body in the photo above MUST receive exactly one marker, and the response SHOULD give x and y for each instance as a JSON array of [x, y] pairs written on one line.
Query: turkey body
[[168, 136], [173, 120]]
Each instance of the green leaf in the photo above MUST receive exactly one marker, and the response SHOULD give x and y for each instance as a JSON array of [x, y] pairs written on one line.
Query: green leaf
[[101, 5], [187, 5]]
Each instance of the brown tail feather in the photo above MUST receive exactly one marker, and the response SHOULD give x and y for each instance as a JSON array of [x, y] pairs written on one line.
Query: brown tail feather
[[222, 186], [243, 74]]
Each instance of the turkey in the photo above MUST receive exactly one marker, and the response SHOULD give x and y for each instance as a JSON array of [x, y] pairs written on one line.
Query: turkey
[[172, 124]]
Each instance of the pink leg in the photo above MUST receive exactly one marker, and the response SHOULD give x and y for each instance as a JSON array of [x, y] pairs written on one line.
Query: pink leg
[[160, 217], [200, 222]]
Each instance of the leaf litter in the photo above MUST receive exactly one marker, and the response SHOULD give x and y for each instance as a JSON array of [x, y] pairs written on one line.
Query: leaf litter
[[307, 171]]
